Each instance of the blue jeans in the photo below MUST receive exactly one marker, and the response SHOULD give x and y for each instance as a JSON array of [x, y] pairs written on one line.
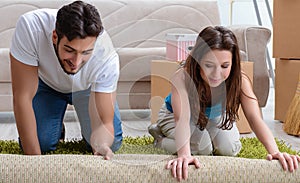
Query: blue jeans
[[49, 107]]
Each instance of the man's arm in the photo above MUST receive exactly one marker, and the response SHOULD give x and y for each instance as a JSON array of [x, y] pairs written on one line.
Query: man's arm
[[102, 114], [24, 86]]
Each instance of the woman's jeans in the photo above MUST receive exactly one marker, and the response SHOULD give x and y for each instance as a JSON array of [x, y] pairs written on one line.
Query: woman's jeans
[[49, 107]]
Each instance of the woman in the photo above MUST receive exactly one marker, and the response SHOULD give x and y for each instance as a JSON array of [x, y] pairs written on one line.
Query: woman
[[199, 115]]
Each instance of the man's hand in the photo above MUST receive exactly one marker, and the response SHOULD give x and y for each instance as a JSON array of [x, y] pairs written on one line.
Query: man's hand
[[101, 141], [103, 150], [101, 110]]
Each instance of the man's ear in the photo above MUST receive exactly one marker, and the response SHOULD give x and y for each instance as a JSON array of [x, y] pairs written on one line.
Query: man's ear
[[54, 37]]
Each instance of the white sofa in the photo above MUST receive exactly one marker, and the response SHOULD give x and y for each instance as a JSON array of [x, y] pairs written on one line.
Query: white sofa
[[138, 29]]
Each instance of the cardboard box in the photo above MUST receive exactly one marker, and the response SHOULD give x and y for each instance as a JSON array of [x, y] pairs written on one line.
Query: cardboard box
[[161, 72], [286, 80], [178, 45], [286, 26]]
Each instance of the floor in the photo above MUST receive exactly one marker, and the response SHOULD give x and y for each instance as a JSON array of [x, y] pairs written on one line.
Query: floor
[[138, 126]]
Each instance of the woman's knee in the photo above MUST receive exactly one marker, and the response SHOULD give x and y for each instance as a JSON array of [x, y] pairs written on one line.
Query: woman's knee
[[226, 142], [200, 142], [202, 150], [228, 149], [201, 146]]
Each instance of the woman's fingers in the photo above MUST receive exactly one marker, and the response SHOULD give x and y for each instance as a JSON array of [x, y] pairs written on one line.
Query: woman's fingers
[[287, 161], [185, 170], [174, 170], [179, 167]]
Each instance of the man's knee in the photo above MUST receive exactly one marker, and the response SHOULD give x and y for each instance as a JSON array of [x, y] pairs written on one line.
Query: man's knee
[[47, 144], [116, 145]]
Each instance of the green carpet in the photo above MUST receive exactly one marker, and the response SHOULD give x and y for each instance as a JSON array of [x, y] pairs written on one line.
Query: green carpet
[[251, 147]]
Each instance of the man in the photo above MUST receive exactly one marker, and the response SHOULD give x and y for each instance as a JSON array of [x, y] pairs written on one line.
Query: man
[[61, 57]]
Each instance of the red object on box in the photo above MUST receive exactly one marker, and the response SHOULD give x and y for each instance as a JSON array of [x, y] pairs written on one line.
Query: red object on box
[[179, 45]]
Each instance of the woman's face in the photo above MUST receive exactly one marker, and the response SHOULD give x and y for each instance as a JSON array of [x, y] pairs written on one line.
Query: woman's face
[[216, 66]]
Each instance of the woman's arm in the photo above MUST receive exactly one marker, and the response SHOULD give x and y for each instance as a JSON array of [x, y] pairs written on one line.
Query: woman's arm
[[181, 110], [253, 114], [182, 114]]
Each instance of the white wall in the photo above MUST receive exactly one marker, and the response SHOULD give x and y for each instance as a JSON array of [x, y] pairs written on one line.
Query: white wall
[[243, 12]]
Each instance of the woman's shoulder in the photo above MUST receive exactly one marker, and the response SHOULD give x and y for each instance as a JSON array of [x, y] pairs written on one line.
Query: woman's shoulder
[[179, 74], [247, 86], [246, 80], [178, 78]]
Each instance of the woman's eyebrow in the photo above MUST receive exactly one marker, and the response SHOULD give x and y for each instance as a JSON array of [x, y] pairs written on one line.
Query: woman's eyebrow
[[210, 61], [226, 62]]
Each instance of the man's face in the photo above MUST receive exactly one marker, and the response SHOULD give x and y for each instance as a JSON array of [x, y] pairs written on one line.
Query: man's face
[[72, 55]]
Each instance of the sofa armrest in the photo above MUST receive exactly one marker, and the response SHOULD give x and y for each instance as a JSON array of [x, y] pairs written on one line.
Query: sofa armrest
[[4, 66], [6, 103], [253, 41]]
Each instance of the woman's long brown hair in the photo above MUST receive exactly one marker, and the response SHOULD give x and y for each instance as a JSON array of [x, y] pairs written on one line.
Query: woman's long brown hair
[[213, 38]]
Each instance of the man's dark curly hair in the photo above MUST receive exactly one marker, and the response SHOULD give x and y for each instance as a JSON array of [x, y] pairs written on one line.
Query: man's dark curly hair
[[78, 20]]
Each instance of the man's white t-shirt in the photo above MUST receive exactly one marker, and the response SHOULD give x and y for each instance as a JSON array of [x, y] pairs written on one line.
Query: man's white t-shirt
[[32, 45]]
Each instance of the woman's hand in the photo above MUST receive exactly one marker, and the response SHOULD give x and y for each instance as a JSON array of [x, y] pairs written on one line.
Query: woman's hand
[[287, 161], [179, 166]]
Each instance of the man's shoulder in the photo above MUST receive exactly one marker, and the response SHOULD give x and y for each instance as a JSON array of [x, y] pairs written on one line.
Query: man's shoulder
[[41, 12], [104, 48], [40, 19]]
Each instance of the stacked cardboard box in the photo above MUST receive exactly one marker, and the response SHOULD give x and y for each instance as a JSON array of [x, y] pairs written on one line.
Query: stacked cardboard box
[[162, 71], [286, 52]]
